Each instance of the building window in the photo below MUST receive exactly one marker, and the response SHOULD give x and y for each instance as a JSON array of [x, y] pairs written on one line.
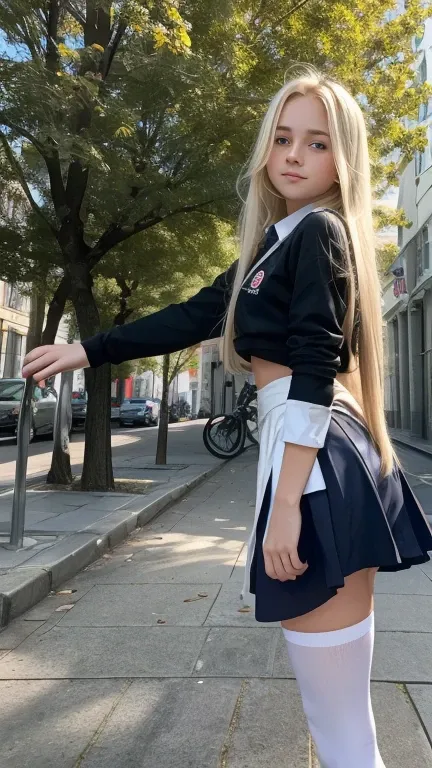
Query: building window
[[425, 247], [422, 251], [13, 298], [13, 356]]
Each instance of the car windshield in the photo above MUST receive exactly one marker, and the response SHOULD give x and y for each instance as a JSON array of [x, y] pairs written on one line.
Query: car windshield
[[137, 401], [11, 390]]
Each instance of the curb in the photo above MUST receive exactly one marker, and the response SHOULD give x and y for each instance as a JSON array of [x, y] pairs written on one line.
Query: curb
[[414, 447], [30, 584]]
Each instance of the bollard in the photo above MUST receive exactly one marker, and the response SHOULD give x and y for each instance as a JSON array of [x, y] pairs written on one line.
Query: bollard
[[23, 439]]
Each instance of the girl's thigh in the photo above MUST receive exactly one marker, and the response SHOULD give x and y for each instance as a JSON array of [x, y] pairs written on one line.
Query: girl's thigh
[[352, 604]]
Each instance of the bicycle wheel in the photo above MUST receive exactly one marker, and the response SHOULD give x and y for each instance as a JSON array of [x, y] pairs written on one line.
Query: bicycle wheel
[[224, 436], [252, 424]]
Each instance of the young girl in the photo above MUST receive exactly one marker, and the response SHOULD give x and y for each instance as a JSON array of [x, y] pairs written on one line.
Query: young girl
[[301, 309]]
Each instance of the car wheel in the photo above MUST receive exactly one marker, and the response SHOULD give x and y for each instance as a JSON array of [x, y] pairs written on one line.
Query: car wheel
[[32, 434]]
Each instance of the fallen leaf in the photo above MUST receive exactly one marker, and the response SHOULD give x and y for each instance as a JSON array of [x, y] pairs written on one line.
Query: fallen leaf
[[161, 621], [192, 599], [64, 608], [65, 592], [244, 610]]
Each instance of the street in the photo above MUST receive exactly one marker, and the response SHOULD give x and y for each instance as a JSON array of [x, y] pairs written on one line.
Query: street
[[150, 662]]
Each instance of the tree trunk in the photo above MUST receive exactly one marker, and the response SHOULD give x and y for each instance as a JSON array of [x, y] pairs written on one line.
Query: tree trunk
[[37, 317], [97, 474], [55, 311], [161, 450]]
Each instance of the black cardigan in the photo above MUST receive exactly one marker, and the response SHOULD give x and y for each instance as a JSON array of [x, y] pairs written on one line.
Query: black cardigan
[[290, 310]]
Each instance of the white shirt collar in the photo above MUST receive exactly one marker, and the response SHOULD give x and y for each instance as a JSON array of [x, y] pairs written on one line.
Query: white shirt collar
[[286, 225]]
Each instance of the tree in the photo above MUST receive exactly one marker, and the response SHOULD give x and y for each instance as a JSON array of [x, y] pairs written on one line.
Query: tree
[[120, 124]]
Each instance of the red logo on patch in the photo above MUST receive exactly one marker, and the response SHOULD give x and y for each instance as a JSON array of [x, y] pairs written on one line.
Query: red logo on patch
[[257, 280]]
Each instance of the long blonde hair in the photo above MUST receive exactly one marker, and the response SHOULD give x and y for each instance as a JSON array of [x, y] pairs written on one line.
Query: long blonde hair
[[351, 198]]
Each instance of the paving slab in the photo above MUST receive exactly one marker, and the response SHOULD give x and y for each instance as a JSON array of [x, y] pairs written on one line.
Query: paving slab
[[226, 610], [427, 568], [46, 607], [169, 723], [402, 657], [91, 652], [282, 664], [13, 558], [270, 729], [403, 613], [401, 738], [231, 652], [422, 698], [36, 715], [16, 633], [68, 555], [79, 519], [175, 558], [131, 605], [411, 582], [224, 529]]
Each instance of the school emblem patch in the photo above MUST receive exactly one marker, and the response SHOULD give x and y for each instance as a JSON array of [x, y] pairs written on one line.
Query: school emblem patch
[[257, 280]]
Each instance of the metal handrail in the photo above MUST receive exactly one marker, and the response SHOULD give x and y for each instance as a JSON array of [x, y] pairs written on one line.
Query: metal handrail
[[23, 440]]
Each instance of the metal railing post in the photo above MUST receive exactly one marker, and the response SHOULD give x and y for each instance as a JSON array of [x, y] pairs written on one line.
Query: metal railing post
[[23, 439]]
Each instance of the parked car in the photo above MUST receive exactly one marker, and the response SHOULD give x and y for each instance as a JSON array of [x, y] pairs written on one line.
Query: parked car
[[139, 410], [43, 408], [79, 408]]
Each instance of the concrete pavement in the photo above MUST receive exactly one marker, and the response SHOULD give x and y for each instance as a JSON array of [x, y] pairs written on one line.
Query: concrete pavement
[[65, 531], [151, 663]]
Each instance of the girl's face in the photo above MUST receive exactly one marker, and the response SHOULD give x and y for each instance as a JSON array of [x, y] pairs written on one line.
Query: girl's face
[[302, 146]]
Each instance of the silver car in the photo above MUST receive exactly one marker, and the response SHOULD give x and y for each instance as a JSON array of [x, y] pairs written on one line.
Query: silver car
[[139, 410], [43, 408]]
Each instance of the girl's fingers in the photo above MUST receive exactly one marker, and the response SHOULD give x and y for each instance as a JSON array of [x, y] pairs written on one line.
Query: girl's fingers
[[35, 354], [36, 364], [45, 373], [296, 562]]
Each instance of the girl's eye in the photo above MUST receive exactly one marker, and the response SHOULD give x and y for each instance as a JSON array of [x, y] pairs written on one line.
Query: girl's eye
[[283, 138]]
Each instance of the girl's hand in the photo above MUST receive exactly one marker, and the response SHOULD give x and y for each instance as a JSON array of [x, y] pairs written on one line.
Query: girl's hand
[[280, 546], [43, 362]]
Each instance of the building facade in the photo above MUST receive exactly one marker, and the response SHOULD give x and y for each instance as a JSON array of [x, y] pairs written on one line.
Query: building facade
[[407, 296]]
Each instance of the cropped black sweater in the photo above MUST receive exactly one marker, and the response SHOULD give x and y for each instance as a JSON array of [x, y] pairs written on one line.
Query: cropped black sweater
[[290, 310]]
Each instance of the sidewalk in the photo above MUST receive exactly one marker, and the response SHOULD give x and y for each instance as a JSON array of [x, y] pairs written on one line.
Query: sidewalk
[[150, 662], [65, 531], [404, 437]]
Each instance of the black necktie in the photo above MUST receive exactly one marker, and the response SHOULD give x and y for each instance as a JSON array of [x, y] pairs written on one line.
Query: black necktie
[[271, 238]]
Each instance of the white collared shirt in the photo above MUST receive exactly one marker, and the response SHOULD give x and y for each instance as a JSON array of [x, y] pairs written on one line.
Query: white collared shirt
[[286, 225]]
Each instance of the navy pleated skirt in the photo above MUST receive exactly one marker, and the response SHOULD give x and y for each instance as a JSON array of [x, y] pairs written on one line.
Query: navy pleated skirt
[[360, 520]]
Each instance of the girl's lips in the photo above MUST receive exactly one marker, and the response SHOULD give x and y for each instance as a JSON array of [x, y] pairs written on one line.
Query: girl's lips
[[292, 176]]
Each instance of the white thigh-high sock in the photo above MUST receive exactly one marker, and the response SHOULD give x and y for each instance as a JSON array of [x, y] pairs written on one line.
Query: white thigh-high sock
[[333, 674]]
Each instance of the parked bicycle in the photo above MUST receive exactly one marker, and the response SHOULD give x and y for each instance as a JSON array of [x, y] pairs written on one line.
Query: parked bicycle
[[225, 435]]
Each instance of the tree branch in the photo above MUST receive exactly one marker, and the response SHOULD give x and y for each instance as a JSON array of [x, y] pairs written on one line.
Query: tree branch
[[52, 55], [111, 50], [116, 234], [75, 14], [23, 132], [20, 176]]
